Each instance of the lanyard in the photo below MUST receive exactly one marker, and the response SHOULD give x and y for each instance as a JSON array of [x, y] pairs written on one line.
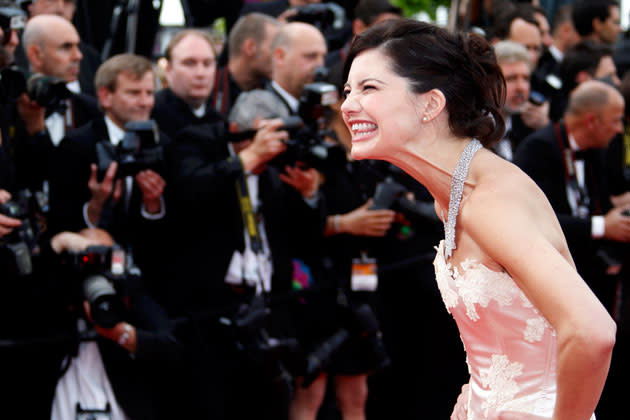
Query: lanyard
[[221, 95], [247, 212]]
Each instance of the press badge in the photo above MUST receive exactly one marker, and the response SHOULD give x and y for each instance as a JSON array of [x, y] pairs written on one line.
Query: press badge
[[364, 277]]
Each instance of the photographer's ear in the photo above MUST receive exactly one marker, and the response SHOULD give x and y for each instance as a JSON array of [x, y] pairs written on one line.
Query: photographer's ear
[[104, 97], [35, 55]]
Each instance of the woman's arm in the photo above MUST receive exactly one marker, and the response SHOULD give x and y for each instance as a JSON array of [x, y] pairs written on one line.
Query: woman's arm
[[517, 229]]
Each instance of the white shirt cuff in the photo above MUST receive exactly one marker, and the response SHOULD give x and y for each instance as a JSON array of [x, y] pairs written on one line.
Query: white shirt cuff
[[85, 216], [597, 227], [312, 201], [156, 216]]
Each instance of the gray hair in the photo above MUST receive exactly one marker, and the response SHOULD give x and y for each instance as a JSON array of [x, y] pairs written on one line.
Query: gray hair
[[511, 52]]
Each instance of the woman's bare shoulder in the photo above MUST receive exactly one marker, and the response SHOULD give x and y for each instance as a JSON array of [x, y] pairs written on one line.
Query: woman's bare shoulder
[[506, 199]]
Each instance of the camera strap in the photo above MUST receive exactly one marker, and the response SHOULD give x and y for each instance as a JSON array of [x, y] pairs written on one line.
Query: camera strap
[[221, 95], [247, 212]]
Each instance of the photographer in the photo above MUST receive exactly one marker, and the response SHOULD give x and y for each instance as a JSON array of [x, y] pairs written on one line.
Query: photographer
[[219, 265], [190, 72], [85, 187], [116, 373], [66, 9], [249, 60], [522, 116], [54, 108], [298, 49]]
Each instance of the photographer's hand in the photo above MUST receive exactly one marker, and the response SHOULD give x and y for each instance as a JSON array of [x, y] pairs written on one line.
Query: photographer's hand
[[616, 225], [267, 143], [152, 186], [535, 116], [32, 114], [122, 333], [101, 191], [362, 221], [7, 224], [306, 181]]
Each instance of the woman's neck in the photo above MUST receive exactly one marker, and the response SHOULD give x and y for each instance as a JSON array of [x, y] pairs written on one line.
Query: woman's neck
[[432, 162]]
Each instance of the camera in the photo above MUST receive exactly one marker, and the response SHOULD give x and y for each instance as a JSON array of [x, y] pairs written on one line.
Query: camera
[[11, 19], [252, 338], [138, 150], [306, 142], [357, 322], [536, 98], [101, 270], [320, 15], [23, 242], [47, 91], [390, 194]]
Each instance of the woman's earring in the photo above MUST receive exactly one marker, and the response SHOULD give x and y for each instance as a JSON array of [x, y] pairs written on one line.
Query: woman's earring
[[425, 119]]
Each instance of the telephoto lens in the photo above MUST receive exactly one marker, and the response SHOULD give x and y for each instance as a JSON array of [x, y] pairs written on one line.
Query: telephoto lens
[[105, 305]]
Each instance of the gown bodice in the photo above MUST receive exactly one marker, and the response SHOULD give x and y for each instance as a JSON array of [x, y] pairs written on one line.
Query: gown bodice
[[511, 349]]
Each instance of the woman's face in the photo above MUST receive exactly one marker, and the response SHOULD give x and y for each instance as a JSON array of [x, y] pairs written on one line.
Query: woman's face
[[380, 110]]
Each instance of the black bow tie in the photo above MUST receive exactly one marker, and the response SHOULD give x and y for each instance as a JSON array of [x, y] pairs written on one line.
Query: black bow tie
[[59, 108]]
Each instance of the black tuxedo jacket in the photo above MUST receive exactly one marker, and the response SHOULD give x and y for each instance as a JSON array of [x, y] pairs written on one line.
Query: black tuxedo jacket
[[172, 114], [33, 153], [69, 192], [539, 156]]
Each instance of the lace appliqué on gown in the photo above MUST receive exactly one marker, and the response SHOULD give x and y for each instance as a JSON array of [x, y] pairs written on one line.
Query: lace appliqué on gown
[[535, 329], [443, 272], [500, 380]]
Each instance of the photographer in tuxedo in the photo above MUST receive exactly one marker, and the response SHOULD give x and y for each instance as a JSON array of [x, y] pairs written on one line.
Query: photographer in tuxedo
[[130, 205], [566, 161], [51, 44], [217, 266]]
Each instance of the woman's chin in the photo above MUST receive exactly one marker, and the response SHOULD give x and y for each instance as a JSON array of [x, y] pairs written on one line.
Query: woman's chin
[[362, 150]]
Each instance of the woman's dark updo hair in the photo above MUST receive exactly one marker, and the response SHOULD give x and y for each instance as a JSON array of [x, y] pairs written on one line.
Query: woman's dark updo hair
[[461, 65]]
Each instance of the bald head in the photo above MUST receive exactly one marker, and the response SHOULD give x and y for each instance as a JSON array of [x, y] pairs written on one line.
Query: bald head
[[52, 47], [40, 27], [592, 96], [298, 49], [594, 115]]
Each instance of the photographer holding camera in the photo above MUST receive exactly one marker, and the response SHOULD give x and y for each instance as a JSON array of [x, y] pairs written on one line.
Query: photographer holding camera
[[115, 373], [242, 228], [51, 107], [88, 185]]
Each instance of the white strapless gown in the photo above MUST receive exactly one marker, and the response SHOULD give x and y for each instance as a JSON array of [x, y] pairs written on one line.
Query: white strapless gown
[[511, 348]]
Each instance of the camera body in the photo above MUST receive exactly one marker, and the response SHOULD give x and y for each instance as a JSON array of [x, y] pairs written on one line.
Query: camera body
[[102, 274], [306, 143], [248, 327], [356, 321], [392, 195], [47, 91], [138, 150], [320, 15], [23, 242], [11, 19]]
